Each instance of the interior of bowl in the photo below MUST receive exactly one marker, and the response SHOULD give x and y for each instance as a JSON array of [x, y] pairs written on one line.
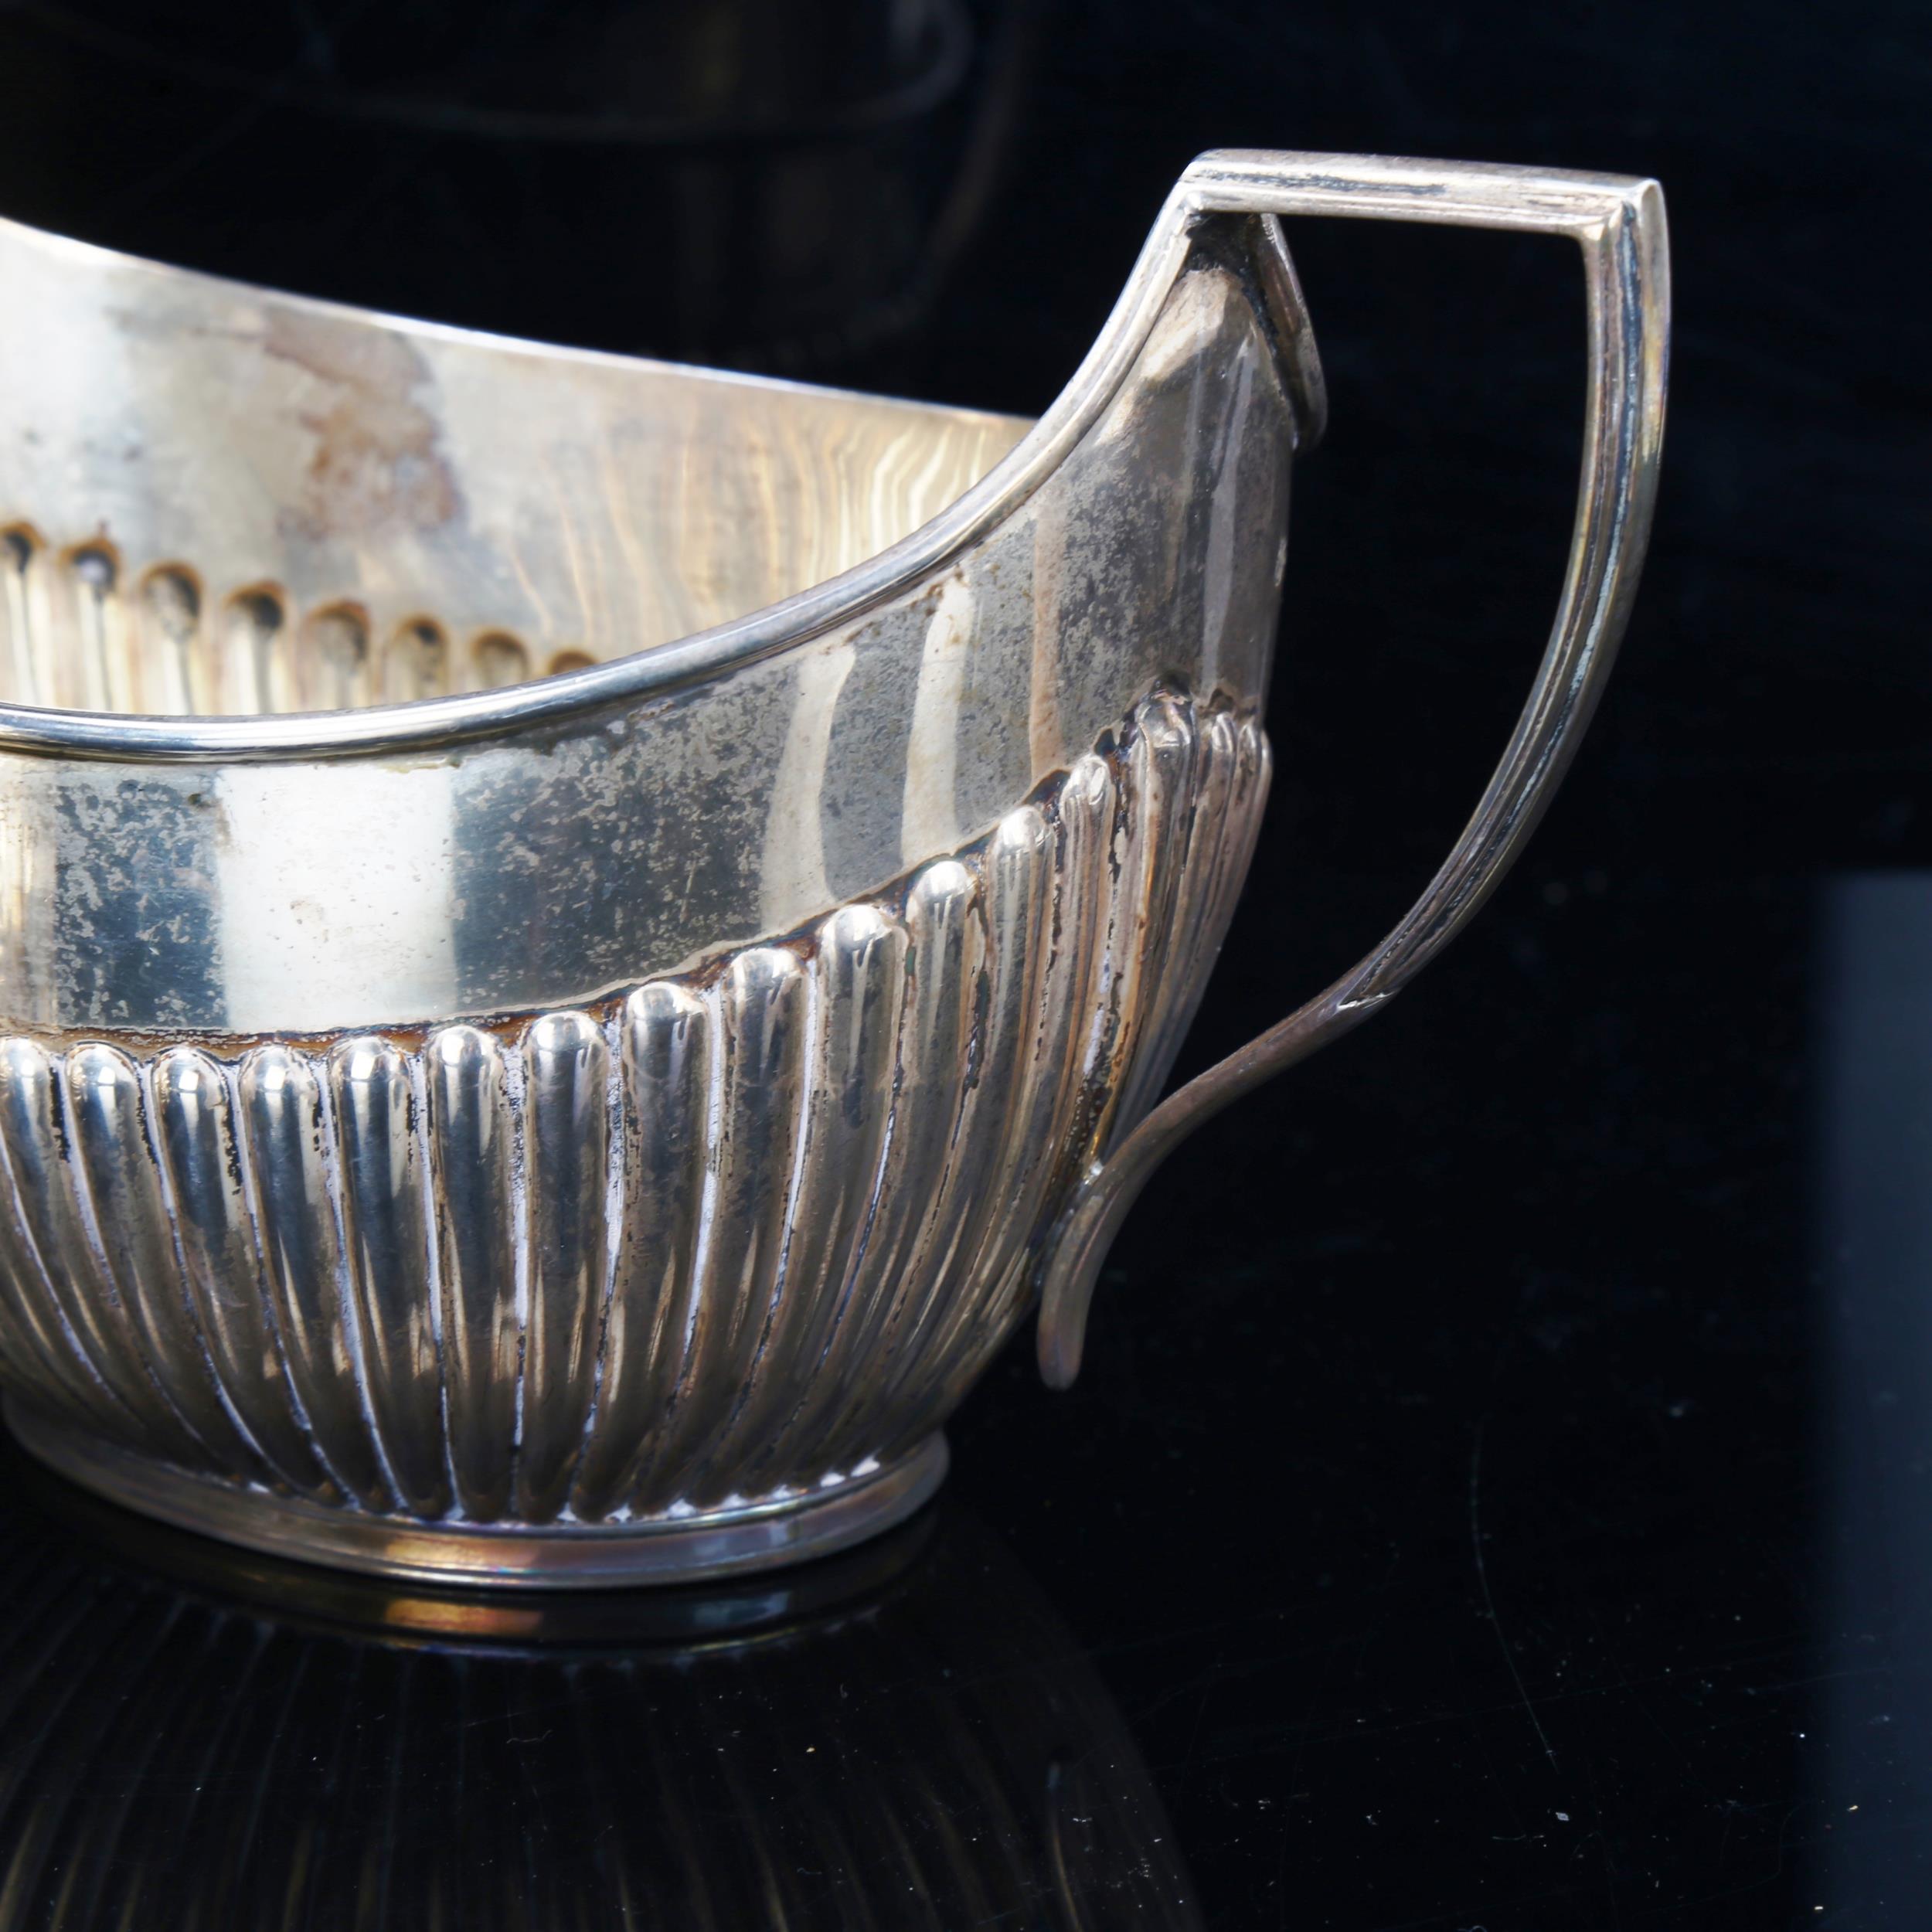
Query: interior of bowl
[[215, 500]]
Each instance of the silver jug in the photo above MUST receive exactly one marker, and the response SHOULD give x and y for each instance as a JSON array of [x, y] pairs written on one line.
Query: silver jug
[[583, 939]]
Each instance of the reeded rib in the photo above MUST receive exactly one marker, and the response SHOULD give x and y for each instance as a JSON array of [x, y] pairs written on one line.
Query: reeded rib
[[388, 1251], [1088, 804], [761, 1025], [986, 1181], [257, 656], [1175, 996], [114, 1162], [664, 1052], [1060, 1108], [1115, 906], [858, 972], [1148, 848], [45, 1363], [416, 663], [935, 1019], [101, 667], [1238, 835], [32, 651], [172, 659], [471, 1136], [1224, 820], [39, 1157], [32, 1371], [567, 1147], [194, 1127], [332, 664], [289, 1156]]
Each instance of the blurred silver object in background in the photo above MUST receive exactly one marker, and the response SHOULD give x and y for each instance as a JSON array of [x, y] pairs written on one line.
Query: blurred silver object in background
[[785, 185]]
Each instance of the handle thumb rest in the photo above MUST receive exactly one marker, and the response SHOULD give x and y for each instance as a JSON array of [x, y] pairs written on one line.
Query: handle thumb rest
[[1619, 223]]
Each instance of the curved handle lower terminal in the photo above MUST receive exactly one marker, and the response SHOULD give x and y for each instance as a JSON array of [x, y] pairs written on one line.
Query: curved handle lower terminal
[[1619, 223]]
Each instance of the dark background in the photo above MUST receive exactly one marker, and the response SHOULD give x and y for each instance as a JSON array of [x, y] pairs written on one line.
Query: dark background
[[1495, 1497]]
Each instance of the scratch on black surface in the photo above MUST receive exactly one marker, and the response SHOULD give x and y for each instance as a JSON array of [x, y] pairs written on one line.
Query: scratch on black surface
[[1488, 1601]]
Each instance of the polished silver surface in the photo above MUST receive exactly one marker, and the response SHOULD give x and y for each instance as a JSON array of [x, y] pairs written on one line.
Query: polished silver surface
[[653, 1091], [681, 1283]]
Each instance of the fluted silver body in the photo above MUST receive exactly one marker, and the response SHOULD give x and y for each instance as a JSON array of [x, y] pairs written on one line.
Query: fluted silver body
[[585, 937], [732, 1238]]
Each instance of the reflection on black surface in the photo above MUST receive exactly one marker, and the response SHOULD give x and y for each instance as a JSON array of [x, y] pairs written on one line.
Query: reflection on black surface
[[905, 1738], [1874, 1154], [771, 184]]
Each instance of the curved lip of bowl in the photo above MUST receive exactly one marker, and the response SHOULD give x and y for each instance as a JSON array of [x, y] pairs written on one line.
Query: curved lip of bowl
[[427, 725]]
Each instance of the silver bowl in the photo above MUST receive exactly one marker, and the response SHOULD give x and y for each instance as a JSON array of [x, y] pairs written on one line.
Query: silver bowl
[[582, 939]]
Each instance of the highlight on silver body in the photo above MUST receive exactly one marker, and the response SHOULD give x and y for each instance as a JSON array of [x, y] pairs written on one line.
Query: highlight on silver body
[[585, 937]]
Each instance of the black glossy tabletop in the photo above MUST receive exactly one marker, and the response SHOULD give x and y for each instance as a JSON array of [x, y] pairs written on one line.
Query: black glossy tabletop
[[1499, 1494]]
